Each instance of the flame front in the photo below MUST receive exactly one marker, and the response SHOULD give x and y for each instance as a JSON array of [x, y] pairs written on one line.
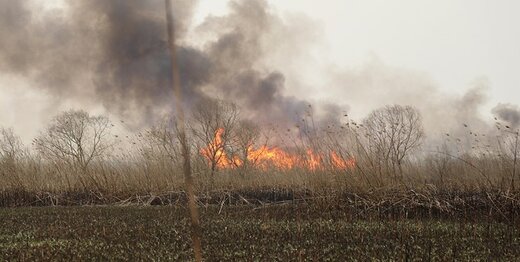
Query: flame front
[[215, 151], [265, 157], [340, 163]]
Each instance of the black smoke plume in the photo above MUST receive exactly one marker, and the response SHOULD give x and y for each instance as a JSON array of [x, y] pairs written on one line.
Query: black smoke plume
[[117, 50]]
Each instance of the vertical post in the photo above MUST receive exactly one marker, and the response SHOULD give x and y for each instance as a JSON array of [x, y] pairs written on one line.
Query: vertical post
[[515, 160], [181, 125]]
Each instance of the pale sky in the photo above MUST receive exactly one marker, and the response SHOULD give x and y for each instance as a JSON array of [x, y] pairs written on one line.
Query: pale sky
[[454, 42]]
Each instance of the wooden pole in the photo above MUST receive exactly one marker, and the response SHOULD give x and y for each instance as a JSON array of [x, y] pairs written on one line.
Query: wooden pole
[[181, 125]]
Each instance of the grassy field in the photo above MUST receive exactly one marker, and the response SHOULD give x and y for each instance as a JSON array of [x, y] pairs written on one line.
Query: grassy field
[[275, 233]]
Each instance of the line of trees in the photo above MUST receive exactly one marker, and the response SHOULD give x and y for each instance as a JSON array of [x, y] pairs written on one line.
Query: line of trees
[[76, 139], [381, 144]]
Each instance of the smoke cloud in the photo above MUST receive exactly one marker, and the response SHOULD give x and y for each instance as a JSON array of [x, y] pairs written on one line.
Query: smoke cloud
[[375, 84], [115, 53], [508, 113]]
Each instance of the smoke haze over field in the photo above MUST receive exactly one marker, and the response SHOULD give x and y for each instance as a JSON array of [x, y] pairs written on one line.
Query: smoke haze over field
[[112, 56]]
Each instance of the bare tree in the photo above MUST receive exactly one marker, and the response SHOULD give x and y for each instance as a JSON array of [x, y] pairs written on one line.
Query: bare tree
[[214, 126], [247, 134], [11, 147], [394, 131], [75, 138], [163, 140], [12, 151]]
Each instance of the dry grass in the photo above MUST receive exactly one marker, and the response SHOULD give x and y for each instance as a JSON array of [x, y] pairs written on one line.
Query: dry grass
[[148, 164]]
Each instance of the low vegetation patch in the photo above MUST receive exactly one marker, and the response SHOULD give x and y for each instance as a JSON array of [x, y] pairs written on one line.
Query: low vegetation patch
[[275, 233]]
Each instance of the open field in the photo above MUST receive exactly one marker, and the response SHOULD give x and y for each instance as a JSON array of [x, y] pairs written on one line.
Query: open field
[[274, 233], [357, 193], [343, 192], [256, 130]]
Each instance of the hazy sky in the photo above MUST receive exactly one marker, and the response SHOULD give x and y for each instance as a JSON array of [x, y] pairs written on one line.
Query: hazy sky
[[451, 42]]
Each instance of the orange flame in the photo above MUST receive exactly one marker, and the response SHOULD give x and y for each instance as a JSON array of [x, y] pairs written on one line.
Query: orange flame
[[265, 157], [340, 163], [215, 150]]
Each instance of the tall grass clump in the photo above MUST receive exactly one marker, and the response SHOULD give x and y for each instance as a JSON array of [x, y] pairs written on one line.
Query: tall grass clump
[[82, 159]]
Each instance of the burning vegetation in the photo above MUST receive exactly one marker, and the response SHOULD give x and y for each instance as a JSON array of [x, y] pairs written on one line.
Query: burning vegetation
[[265, 157], [375, 168]]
